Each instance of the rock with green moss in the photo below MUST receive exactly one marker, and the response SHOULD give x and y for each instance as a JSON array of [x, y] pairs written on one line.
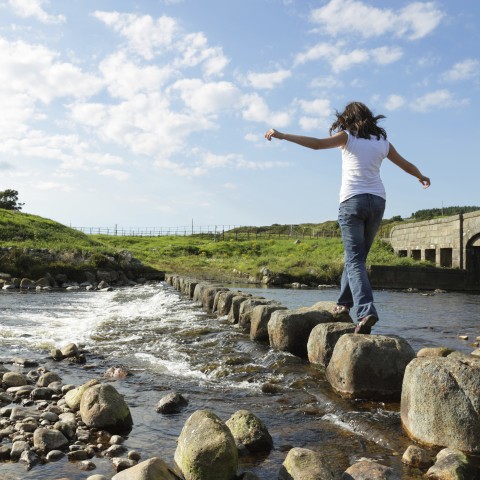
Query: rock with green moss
[[103, 407], [304, 464], [206, 449], [451, 465], [249, 431], [73, 397], [151, 469]]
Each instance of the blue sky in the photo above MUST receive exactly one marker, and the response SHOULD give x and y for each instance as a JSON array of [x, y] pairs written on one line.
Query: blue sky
[[152, 113]]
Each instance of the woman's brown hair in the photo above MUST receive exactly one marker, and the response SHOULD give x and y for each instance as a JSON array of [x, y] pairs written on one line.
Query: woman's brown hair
[[358, 119]]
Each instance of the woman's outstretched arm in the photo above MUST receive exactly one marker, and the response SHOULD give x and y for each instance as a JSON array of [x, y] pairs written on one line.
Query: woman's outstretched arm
[[337, 140], [408, 167]]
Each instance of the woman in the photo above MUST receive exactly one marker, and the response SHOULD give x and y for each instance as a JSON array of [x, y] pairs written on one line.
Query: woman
[[362, 198]]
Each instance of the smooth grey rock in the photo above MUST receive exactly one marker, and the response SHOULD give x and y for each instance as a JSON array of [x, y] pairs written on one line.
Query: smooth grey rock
[[206, 449], [305, 464], [417, 457], [249, 431], [172, 403], [366, 469], [49, 439], [440, 402], [369, 366], [259, 319]]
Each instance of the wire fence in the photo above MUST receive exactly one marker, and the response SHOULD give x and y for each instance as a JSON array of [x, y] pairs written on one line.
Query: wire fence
[[221, 232], [226, 232]]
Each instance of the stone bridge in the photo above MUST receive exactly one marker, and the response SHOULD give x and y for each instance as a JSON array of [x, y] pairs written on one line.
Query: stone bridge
[[451, 242]]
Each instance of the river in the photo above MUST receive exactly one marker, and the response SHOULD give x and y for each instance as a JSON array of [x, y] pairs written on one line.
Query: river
[[170, 344]]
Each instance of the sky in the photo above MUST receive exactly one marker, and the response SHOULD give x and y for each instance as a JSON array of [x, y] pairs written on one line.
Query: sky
[[152, 113]]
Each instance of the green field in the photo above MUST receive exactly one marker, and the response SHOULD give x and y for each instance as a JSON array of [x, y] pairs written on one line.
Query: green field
[[308, 260]]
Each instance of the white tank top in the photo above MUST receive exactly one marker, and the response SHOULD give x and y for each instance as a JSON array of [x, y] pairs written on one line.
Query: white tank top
[[361, 161]]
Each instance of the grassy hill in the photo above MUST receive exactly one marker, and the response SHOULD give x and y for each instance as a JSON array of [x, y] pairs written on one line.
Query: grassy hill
[[315, 260]]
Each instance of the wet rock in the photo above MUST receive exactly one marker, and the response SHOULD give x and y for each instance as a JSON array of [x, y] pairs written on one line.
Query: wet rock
[[17, 449], [476, 352], [206, 449], [288, 330], [49, 439], [417, 457], [246, 309], [208, 297], [42, 393], [5, 398], [29, 458], [14, 379], [369, 470], [4, 453], [101, 477], [249, 431], [117, 372], [369, 366], [70, 350], [223, 302], [440, 403], [54, 455], [171, 403], [451, 465], [151, 469], [102, 406], [234, 313], [259, 319], [323, 338], [86, 465], [74, 397], [434, 352], [304, 464]]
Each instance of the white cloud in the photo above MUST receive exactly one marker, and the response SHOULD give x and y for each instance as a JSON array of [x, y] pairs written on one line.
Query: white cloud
[[145, 35], [208, 97], [341, 58], [119, 175], [230, 186], [465, 70], [394, 102], [54, 186], [256, 110], [326, 82], [33, 8], [414, 21], [124, 78], [319, 106], [268, 80], [437, 99]]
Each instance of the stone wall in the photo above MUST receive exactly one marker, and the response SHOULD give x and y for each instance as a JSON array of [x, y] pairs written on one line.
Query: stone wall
[[444, 241]]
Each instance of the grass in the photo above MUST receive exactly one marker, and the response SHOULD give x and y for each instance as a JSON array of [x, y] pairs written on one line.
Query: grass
[[310, 260]]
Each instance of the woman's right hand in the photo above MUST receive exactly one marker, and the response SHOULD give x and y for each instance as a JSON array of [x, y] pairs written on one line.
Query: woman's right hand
[[272, 133]]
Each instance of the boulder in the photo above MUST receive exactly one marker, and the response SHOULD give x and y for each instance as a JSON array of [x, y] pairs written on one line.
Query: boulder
[[366, 469], [434, 352], [223, 302], [103, 407], [47, 378], [27, 284], [249, 431], [417, 457], [237, 300], [198, 292], [440, 404], [452, 465], [259, 319], [45, 439], [208, 297], [323, 338], [151, 469], [304, 464], [206, 449], [246, 309], [369, 366], [288, 330], [172, 403], [70, 350], [74, 396], [14, 379]]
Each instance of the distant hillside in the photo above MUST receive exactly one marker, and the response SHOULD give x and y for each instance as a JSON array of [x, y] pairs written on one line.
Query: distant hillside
[[31, 231], [430, 213]]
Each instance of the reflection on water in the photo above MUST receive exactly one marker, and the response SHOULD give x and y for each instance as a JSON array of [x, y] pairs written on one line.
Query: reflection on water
[[171, 344]]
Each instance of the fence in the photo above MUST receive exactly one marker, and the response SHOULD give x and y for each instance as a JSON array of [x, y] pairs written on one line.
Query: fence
[[220, 232]]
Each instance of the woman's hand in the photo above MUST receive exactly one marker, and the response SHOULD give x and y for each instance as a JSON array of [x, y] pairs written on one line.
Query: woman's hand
[[272, 133], [425, 181]]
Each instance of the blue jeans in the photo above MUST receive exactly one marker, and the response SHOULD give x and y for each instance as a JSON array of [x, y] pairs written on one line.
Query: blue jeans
[[359, 218]]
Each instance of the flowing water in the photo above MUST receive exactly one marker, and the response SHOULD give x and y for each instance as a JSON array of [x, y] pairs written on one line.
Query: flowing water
[[170, 344]]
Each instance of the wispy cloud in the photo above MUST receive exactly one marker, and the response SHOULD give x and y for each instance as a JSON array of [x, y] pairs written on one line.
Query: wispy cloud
[[414, 21], [342, 58], [437, 100], [465, 70], [257, 110], [268, 80], [394, 102], [34, 8]]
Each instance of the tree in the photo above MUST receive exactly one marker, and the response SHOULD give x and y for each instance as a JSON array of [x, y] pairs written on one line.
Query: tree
[[9, 200]]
